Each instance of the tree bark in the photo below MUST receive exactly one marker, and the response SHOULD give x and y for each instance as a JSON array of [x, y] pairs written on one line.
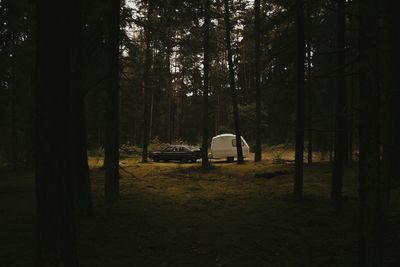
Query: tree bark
[[300, 76], [204, 147], [340, 112], [111, 188], [370, 184], [232, 84], [257, 56], [55, 92]]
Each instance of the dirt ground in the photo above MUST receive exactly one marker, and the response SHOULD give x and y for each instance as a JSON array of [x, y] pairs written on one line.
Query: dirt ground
[[173, 214]]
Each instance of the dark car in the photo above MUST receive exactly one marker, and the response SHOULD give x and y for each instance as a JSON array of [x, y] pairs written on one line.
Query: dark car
[[177, 153]]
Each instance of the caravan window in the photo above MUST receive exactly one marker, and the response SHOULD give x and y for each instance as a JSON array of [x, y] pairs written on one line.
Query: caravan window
[[234, 142]]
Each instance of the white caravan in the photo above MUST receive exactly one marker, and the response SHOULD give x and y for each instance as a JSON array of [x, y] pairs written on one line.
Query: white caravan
[[224, 146]]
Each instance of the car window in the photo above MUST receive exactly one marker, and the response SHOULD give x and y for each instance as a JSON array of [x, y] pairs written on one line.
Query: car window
[[234, 142], [168, 149]]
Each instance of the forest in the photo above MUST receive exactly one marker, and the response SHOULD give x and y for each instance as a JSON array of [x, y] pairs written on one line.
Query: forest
[[199, 133]]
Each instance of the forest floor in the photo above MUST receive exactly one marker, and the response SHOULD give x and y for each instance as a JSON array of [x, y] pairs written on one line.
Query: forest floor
[[173, 214]]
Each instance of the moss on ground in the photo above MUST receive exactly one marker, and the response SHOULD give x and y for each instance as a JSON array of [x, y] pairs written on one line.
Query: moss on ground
[[174, 214]]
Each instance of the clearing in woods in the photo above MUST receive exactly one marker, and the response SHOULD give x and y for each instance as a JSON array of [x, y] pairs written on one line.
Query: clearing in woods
[[173, 214]]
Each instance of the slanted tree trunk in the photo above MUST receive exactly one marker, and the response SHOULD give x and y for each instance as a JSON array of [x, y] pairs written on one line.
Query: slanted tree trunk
[[204, 146], [232, 83], [146, 79], [370, 184], [111, 188], [300, 76], [340, 112], [257, 56], [55, 94]]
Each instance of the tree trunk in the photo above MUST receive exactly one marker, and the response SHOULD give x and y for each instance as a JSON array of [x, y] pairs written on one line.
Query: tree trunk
[[111, 188], [55, 93], [169, 95], [391, 109], [300, 76], [340, 112], [82, 188], [151, 114], [351, 102], [370, 184], [257, 56], [392, 98], [14, 160], [204, 147], [146, 79], [232, 84], [309, 92]]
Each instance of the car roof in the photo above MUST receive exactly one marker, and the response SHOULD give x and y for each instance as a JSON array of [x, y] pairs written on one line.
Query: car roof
[[185, 146]]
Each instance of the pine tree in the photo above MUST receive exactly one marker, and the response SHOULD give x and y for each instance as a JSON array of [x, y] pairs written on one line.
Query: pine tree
[[204, 148], [232, 83], [298, 174]]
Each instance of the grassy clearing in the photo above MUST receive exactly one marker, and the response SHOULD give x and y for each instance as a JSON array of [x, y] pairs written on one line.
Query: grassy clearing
[[174, 214]]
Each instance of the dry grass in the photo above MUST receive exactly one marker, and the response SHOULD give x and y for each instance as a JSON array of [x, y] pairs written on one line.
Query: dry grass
[[174, 214]]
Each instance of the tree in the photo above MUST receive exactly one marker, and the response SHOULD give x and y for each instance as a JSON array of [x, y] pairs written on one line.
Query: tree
[[340, 112], [257, 54], [146, 77], [370, 182], [82, 189], [55, 92], [232, 84], [298, 173], [309, 88], [204, 148], [111, 159]]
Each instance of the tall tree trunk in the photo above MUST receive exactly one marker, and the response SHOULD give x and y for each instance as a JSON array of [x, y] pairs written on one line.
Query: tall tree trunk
[[340, 112], [181, 118], [351, 100], [146, 79], [82, 189], [111, 188], [232, 84], [309, 89], [55, 93], [300, 76], [14, 160], [204, 146], [309, 108], [392, 128], [390, 110], [169, 91], [151, 114], [257, 56], [370, 184]]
